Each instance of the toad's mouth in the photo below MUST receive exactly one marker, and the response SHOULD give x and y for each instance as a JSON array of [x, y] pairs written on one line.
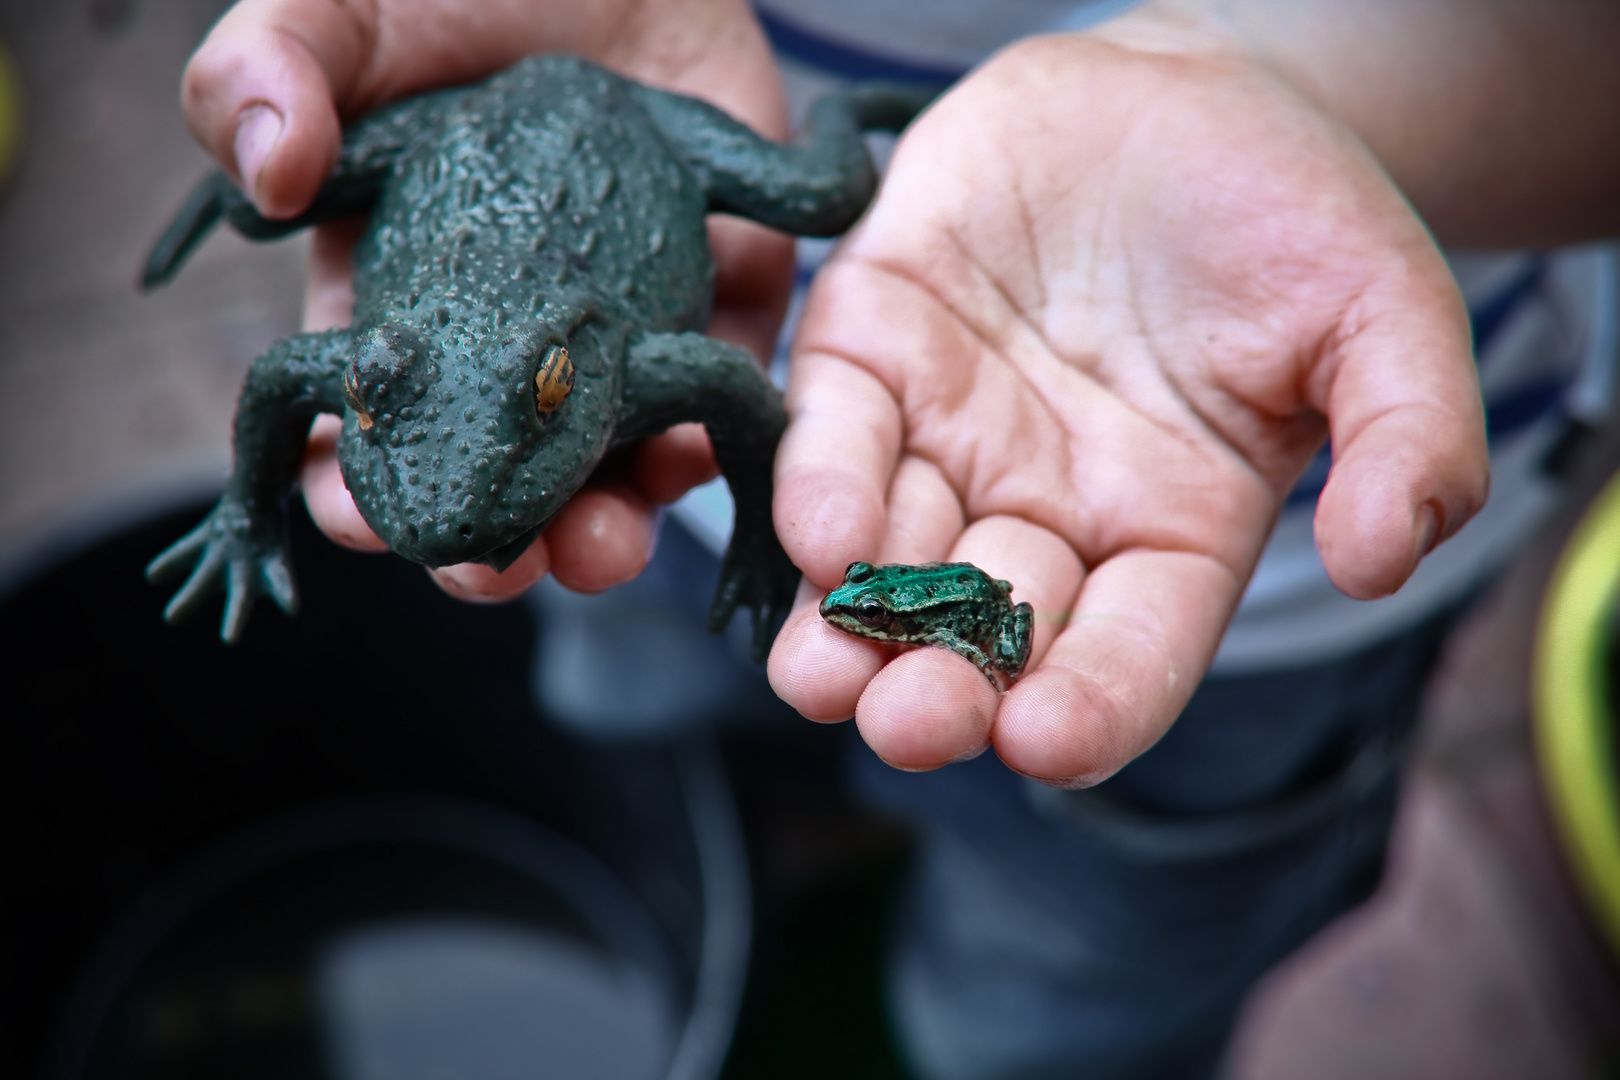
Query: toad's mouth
[[435, 512], [439, 544], [501, 557]]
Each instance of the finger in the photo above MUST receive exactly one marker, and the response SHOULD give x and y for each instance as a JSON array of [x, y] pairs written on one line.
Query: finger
[[603, 537], [752, 281], [481, 584], [820, 671], [1410, 459], [927, 708], [666, 466], [330, 505], [753, 277], [1113, 680], [259, 94], [924, 514], [329, 288], [834, 466], [1042, 567], [931, 707]]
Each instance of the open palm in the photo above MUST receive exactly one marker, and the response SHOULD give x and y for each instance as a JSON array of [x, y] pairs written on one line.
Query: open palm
[[1106, 309]]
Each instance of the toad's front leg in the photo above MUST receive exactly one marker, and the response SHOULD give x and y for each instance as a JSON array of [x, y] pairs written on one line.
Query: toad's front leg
[[675, 378], [243, 539]]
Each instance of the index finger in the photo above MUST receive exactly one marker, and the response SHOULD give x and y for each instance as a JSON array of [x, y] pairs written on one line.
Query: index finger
[[833, 466]]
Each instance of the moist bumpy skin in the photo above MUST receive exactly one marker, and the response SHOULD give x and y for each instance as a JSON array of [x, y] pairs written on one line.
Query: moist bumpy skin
[[527, 295], [545, 216], [955, 605]]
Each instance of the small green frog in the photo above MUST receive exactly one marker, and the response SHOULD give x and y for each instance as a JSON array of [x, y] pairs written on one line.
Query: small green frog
[[956, 605]]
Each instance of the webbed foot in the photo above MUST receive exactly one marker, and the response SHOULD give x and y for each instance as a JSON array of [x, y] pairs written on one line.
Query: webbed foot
[[228, 548], [756, 575]]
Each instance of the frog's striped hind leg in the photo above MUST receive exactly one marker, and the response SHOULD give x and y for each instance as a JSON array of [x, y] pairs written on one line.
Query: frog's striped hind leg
[[241, 543], [818, 185], [1014, 644], [365, 159]]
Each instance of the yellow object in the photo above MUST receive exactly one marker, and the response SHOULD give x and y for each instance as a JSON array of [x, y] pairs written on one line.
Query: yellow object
[[10, 115], [1574, 720]]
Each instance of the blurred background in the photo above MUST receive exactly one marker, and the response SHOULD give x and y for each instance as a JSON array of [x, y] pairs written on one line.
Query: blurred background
[[181, 816]]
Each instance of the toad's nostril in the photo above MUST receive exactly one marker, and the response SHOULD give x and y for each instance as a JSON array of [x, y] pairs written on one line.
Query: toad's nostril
[[390, 367]]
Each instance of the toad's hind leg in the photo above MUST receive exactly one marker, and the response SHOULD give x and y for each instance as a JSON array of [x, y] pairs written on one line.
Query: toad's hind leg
[[815, 186], [365, 159], [676, 378]]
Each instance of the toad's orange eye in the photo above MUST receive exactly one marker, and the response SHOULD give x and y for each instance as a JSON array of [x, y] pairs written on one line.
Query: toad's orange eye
[[351, 396], [554, 380]]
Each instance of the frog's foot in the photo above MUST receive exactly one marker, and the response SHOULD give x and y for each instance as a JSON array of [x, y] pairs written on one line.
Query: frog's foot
[[227, 548], [756, 575]]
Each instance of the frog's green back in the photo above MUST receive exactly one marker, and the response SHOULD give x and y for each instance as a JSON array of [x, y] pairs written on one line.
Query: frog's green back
[[938, 583]]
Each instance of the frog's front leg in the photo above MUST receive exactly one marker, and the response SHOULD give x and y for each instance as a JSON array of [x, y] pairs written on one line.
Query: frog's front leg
[[676, 378], [242, 540]]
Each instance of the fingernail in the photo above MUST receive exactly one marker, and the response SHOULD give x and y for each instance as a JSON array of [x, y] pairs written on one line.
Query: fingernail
[[466, 581], [256, 133], [1428, 530]]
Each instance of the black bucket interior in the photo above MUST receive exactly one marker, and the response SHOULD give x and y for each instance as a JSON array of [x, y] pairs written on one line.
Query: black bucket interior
[[348, 846]]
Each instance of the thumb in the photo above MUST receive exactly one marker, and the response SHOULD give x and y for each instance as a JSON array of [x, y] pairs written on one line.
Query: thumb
[[258, 94], [1408, 427]]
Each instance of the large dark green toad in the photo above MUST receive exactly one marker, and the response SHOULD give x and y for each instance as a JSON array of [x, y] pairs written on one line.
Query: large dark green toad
[[528, 294]]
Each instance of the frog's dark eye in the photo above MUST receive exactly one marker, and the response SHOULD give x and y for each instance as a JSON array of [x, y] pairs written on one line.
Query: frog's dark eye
[[351, 397], [858, 572], [554, 380], [871, 614]]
